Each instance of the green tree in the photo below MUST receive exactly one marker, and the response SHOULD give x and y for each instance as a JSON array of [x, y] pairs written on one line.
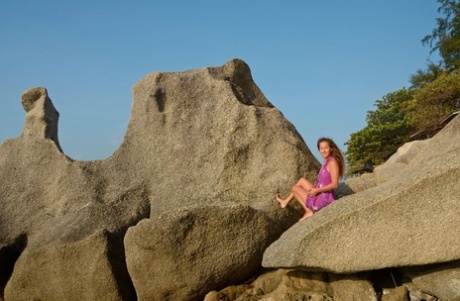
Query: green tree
[[425, 77], [445, 38], [388, 127], [434, 93], [433, 102]]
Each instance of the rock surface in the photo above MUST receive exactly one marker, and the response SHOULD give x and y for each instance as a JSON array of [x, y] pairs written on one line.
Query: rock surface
[[296, 285], [386, 171], [441, 280], [83, 270], [205, 247], [389, 225], [431, 282], [186, 206], [204, 140]]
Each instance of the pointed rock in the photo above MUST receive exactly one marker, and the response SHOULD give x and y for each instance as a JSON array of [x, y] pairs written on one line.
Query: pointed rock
[[42, 118]]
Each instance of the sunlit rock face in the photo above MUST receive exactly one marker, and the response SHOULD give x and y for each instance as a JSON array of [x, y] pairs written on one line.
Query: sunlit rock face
[[410, 219], [403, 217], [202, 158]]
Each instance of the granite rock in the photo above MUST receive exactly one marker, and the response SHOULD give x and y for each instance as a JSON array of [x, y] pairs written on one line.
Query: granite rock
[[203, 137], [389, 225]]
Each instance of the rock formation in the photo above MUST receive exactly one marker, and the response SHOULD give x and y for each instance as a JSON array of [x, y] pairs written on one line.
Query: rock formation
[[390, 224], [193, 181], [394, 240], [410, 219], [184, 209]]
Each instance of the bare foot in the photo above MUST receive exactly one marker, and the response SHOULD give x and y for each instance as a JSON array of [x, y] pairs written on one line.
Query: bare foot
[[281, 201], [306, 215]]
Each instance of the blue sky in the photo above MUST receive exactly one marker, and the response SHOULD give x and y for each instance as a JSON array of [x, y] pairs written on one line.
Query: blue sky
[[322, 63]]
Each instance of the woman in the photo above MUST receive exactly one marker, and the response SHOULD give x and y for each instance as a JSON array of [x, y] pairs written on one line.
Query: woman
[[315, 197]]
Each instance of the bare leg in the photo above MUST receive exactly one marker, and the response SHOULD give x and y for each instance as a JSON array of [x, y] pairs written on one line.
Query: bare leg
[[299, 192], [286, 201], [300, 195]]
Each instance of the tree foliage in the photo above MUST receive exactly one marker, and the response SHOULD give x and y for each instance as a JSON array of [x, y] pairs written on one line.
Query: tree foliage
[[387, 128], [433, 102], [445, 38], [434, 93], [425, 77], [400, 114]]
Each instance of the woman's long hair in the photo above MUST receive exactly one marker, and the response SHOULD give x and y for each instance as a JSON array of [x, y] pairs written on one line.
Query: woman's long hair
[[335, 152]]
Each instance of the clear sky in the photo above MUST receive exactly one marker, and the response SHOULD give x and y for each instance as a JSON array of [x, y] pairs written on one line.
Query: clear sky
[[322, 63]]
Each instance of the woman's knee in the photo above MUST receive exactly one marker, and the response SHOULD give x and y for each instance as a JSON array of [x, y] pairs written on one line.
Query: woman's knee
[[300, 181], [304, 183], [297, 189]]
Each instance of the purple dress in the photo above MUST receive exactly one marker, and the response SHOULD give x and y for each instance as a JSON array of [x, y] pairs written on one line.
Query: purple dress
[[322, 199]]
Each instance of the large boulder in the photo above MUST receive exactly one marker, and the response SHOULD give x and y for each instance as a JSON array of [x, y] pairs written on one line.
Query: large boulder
[[210, 136], [196, 247], [81, 270], [200, 138], [410, 219], [213, 139]]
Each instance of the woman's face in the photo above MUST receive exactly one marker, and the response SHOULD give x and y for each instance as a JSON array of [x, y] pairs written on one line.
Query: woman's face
[[324, 149]]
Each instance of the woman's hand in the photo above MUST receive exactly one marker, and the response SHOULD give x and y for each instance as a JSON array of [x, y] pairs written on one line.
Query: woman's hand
[[313, 191]]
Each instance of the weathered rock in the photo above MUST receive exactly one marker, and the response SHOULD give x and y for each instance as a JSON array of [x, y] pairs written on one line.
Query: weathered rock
[[396, 294], [9, 253], [389, 225], [441, 280], [205, 136], [359, 183], [213, 138], [185, 254], [42, 118], [386, 171], [399, 160], [351, 287], [210, 136], [300, 285], [285, 284], [232, 292], [46, 196], [269, 281], [82, 270], [416, 294]]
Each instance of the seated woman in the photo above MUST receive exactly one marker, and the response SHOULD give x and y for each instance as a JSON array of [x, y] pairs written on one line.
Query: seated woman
[[315, 197]]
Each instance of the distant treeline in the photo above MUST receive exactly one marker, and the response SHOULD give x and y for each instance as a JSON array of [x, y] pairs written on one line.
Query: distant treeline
[[421, 110]]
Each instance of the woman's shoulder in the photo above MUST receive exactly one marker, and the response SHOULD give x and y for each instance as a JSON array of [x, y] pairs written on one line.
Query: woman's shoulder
[[332, 160]]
